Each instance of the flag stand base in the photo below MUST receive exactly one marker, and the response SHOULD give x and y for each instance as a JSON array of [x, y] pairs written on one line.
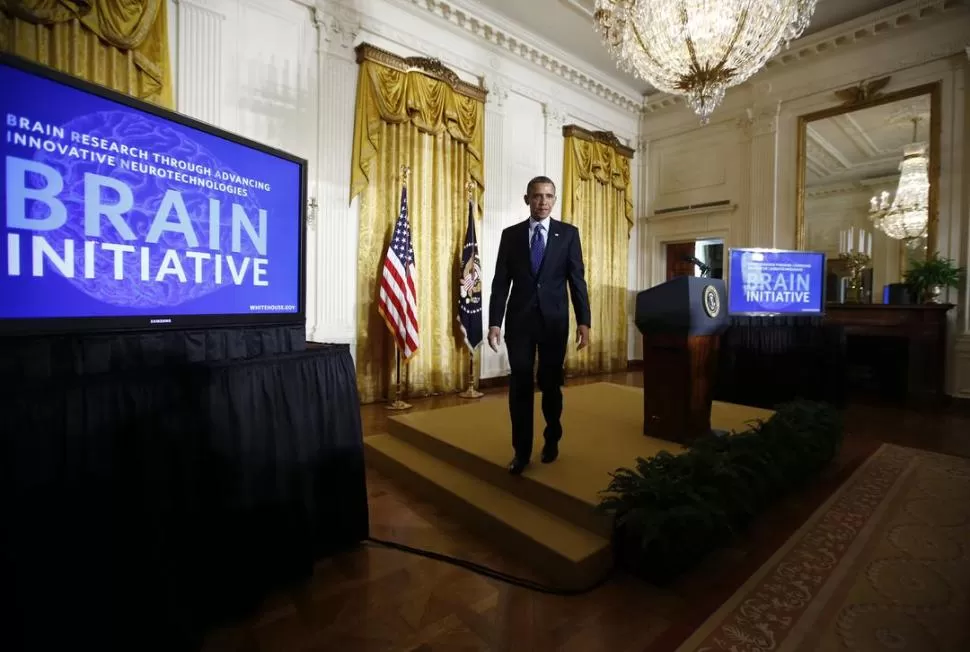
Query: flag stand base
[[397, 404], [471, 392]]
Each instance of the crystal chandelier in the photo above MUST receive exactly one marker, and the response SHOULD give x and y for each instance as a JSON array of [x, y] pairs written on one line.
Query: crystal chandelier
[[907, 216], [877, 209], [698, 48]]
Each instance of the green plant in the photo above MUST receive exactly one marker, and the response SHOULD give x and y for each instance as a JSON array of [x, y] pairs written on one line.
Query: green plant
[[934, 271], [671, 510]]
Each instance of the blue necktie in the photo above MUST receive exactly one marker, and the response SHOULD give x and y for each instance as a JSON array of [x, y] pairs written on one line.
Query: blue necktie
[[538, 246]]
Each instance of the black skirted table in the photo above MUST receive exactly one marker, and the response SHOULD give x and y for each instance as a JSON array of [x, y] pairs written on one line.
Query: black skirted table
[[766, 361], [141, 506]]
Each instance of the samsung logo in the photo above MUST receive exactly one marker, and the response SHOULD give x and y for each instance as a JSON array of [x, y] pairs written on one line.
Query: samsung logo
[[160, 321]]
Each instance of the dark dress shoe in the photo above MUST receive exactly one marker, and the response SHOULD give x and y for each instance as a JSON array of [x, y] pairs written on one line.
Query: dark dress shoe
[[517, 466], [549, 454]]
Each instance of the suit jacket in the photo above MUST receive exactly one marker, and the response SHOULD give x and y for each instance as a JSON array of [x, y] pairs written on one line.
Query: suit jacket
[[562, 265]]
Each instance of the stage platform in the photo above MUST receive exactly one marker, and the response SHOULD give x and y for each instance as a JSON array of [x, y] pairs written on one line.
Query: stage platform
[[457, 457]]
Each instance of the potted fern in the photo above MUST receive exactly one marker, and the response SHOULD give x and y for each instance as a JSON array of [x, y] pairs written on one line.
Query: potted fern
[[927, 278], [670, 511]]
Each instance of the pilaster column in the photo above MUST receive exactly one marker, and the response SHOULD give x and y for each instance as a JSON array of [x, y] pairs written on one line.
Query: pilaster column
[[762, 131], [198, 89], [963, 298], [640, 253], [333, 223], [495, 164], [555, 118], [496, 200]]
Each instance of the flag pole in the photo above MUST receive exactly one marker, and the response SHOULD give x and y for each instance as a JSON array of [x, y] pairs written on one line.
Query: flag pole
[[398, 403], [471, 391]]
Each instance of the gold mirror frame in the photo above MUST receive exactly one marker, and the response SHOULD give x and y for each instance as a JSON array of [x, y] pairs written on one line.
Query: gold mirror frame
[[865, 96]]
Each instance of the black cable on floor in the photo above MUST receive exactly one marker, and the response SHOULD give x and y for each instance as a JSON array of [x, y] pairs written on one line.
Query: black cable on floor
[[490, 572]]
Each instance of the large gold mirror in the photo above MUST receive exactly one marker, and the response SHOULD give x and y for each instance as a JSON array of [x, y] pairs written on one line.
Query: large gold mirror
[[868, 174]]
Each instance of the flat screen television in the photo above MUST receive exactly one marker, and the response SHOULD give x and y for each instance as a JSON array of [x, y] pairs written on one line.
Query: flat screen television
[[120, 215], [776, 282]]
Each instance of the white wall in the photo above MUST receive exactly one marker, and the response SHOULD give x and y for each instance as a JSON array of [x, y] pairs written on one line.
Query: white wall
[[283, 72], [747, 154]]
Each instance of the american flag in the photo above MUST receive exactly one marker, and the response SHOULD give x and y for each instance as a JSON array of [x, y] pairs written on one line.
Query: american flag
[[397, 302]]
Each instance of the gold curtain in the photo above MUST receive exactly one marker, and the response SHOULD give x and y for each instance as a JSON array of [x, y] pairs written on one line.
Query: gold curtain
[[417, 113], [597, 199], [120, 44]]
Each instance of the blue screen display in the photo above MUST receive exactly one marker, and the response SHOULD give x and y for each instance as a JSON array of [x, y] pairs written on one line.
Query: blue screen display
[[114, 212], [766, 281]]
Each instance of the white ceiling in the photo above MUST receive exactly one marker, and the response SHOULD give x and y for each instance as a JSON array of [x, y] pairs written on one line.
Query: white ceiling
[[568, 25], [863, 145]]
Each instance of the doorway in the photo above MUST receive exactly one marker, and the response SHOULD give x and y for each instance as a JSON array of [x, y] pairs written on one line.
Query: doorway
[[695, 258]]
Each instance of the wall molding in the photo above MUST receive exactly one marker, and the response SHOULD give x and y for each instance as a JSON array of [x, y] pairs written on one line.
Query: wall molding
[[843, 187], [499, 32], [691, 212], [903, 17], [338, 28]]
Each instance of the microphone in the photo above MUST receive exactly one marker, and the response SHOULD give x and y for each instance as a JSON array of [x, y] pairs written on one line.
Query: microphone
[[705, 269]]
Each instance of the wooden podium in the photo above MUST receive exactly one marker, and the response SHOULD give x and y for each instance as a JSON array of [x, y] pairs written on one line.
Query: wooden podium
[[681, 322]]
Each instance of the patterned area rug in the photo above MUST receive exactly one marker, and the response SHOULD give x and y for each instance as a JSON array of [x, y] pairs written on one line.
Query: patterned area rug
[[884, 564]]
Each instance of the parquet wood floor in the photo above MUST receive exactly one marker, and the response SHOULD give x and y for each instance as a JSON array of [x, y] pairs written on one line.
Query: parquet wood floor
[[382, 600]]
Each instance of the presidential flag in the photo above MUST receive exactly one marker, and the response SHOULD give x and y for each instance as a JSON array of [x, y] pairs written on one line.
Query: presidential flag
[[397, 301], [470, 287]]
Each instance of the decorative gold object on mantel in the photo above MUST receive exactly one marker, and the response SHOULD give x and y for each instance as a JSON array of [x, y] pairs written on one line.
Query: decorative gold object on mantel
[[856, 262], [429, 66], [851, 152]]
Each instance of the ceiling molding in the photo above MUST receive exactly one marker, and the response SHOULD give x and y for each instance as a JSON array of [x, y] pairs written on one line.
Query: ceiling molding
[[817, 169], [855, 186], [855, 133], [859, 144], [579, 8], [498, 32], [829, 190], [879, 181], [902, 15], [898, 17], [831, 150]]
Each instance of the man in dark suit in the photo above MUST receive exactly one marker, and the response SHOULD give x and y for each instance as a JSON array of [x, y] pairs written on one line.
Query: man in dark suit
[[538, 258]]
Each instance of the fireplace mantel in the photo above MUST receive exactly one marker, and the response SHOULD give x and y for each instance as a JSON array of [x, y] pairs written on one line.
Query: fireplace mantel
[[923, 326]]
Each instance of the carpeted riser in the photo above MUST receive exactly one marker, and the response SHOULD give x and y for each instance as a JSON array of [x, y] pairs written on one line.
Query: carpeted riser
[[546, 561], [566, 507]]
